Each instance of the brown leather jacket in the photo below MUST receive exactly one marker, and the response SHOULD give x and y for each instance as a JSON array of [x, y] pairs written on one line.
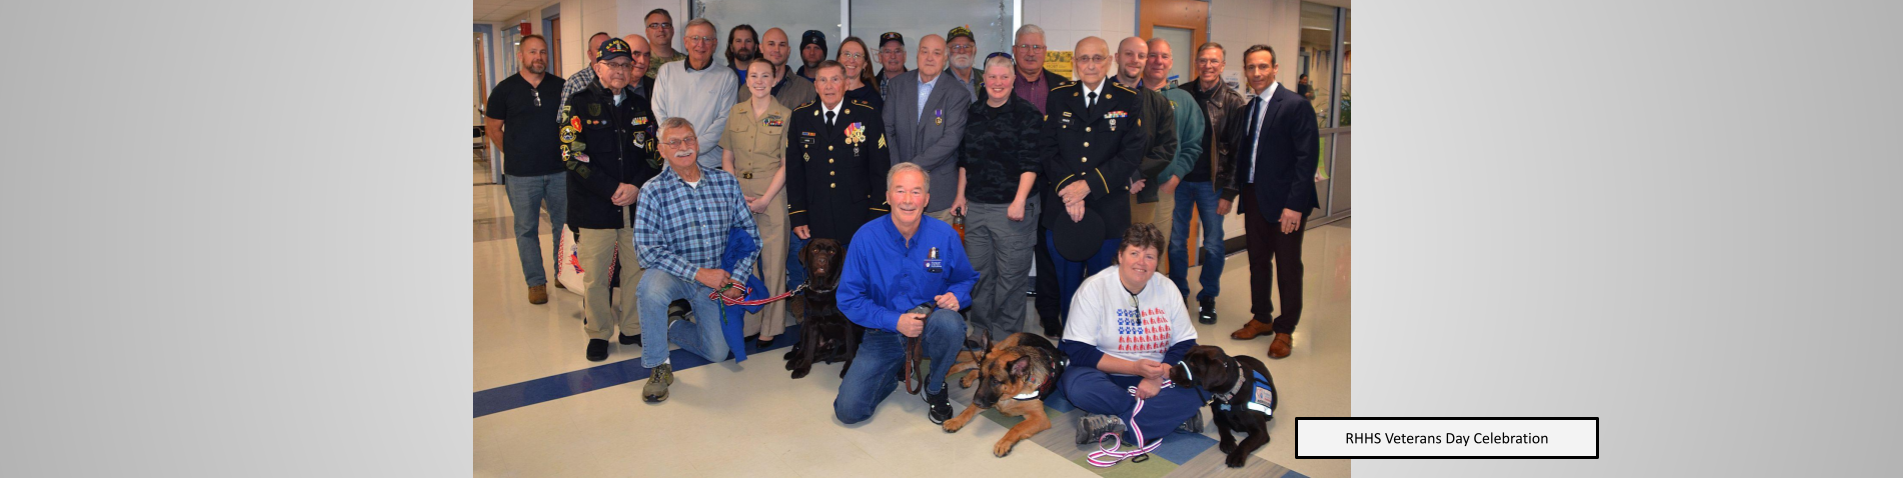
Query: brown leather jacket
[[1218, 107]]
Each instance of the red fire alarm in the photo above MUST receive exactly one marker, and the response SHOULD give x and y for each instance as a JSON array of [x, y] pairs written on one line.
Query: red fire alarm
[[525, 29]]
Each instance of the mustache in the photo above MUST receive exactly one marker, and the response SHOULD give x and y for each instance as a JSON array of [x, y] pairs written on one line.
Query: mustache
[[683, 153]]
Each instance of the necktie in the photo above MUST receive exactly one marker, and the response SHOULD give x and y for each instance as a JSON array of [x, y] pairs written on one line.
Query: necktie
[[829, 118], [1255, 125], [1093, 101]]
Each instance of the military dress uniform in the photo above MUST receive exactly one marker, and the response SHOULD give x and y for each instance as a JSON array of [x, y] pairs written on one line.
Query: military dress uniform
[[605, 145], [835, 174], [1099, 145]]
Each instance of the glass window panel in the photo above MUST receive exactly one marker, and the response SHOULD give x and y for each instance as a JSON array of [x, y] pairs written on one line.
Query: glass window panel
[[990, 22], [1316, 61], [1347, 63], [793, 16]]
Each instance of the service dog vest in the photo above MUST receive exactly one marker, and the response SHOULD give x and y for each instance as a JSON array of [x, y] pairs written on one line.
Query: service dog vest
[[1261, 399]]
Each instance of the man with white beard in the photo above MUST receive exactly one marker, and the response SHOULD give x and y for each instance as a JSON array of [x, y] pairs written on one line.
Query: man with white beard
[[963, 49]]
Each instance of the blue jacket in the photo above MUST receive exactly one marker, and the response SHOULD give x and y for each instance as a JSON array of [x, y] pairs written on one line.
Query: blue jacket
[[885, 277], [733, 319]]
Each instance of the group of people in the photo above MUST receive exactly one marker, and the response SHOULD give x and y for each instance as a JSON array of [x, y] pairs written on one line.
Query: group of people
[[668, 161]]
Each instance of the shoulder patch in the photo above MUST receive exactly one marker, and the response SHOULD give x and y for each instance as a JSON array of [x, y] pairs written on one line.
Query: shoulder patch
[[1124, 88], [862, 103], [1066, 84], [804, 106]]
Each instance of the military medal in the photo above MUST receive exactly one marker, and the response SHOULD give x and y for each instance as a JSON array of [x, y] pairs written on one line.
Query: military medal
[[938, 117]]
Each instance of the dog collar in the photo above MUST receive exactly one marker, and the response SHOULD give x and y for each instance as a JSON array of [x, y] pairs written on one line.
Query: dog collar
[[1026, 395], [1225, 396]]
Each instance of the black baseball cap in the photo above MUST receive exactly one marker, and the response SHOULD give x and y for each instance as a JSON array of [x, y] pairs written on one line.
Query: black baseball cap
[[891, 37], [614, 48], [813, 37]]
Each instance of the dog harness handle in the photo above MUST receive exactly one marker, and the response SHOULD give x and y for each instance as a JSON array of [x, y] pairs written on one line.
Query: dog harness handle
[[717, 296], [1097, 457]]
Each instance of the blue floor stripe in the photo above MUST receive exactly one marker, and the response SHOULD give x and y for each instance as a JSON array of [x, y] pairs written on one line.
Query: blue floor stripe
[[518, 395]]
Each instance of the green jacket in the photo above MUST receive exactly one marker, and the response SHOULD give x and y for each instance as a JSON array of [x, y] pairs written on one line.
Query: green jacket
[[1189, 133]]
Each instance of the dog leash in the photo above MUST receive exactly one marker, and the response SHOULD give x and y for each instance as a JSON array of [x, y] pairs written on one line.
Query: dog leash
[[718, 296], [912, 372], [1112, 452]]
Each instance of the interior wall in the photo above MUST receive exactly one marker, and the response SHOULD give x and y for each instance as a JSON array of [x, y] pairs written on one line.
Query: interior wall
[[580, 18], [630, 17]]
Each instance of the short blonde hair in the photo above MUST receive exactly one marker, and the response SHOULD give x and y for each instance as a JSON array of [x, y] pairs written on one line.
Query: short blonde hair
[[909, 166]]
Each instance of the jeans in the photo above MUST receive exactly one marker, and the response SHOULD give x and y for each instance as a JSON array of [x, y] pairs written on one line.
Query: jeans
[[875, 369], [702, 336], [1201, 196], [526, 194]]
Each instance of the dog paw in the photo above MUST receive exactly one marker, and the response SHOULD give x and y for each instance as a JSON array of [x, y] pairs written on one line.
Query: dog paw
[[969, 378], [953, 425], [1236, 460], [1002, 448], [1226, 446], [801, 373]]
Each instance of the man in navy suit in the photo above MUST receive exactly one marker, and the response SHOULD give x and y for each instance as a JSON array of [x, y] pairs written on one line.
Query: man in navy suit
[[1275, 171]]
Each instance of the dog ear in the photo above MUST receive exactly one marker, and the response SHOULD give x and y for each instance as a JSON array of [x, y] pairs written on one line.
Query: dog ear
[[806, 255], [1019, 366]]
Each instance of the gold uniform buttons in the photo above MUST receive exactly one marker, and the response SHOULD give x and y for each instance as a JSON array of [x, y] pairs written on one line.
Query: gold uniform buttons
[[830, 173], [1086, 160], [829, 147], [832, 186], [1086, 144], [829, 160], [1086, 129]]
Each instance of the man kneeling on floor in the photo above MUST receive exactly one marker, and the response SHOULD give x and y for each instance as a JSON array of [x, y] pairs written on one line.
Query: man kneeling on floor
[[686, 214], [905, 279], [1127, 328]]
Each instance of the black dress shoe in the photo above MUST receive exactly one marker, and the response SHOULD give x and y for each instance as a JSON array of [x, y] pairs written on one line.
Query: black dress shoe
[[630, 339], [597, 350]]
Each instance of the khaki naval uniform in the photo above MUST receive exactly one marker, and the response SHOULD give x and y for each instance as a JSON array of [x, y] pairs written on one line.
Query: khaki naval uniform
[[758, 145]]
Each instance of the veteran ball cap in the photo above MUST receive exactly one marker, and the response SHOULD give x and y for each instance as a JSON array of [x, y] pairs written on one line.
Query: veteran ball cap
[[891, 37], [813, 37], [615, 48], [960, 31]]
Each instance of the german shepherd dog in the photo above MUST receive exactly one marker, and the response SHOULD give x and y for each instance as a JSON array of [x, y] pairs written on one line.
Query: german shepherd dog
[[1244, 392], [825, 333], [1013, 375]]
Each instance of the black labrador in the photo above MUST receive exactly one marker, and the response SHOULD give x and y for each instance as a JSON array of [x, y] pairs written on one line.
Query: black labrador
[[1244, 392]]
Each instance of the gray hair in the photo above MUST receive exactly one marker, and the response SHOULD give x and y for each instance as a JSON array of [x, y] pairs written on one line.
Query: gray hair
[[673, 123], [701, 21], [999, 61], [909, 166], [1028, 29]]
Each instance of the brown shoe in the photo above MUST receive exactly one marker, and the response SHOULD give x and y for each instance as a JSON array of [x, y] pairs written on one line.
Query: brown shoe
[[1250, 330], [1280, 347], [558, 283], [538, 295]]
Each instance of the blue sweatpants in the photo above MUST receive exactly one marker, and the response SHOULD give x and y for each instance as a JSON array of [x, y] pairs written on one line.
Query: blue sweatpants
[[1097, 392]]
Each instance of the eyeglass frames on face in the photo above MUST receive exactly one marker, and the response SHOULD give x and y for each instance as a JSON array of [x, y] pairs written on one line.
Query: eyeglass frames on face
[[1027, 46]]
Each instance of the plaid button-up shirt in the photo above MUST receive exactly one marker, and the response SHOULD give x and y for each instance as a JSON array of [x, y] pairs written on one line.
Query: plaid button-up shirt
[[681, 229]]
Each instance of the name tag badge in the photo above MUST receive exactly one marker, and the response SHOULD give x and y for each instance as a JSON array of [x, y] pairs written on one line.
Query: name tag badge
[[809, 140], [932, 263]]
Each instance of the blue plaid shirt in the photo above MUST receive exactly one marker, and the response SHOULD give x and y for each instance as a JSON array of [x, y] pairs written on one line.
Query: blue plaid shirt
[[681, 229]]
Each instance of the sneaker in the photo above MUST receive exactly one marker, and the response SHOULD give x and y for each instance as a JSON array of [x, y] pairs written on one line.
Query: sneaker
[[1194, 425], [658, 380], [1089, 427], [1208, 307], [597, 350], [940, 403], [538, 294], [630, 339]]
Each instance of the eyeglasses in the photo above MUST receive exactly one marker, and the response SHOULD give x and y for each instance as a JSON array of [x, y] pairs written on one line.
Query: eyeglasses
[[676, 143], [698, 38], [892, 51], [961, 47], [621, 66], [1006, 56], [861, 56], [660, 25], [1027, 46], [1093, 59]]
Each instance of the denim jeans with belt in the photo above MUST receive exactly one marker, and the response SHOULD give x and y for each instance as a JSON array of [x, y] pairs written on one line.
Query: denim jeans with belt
[[1201, 196]]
